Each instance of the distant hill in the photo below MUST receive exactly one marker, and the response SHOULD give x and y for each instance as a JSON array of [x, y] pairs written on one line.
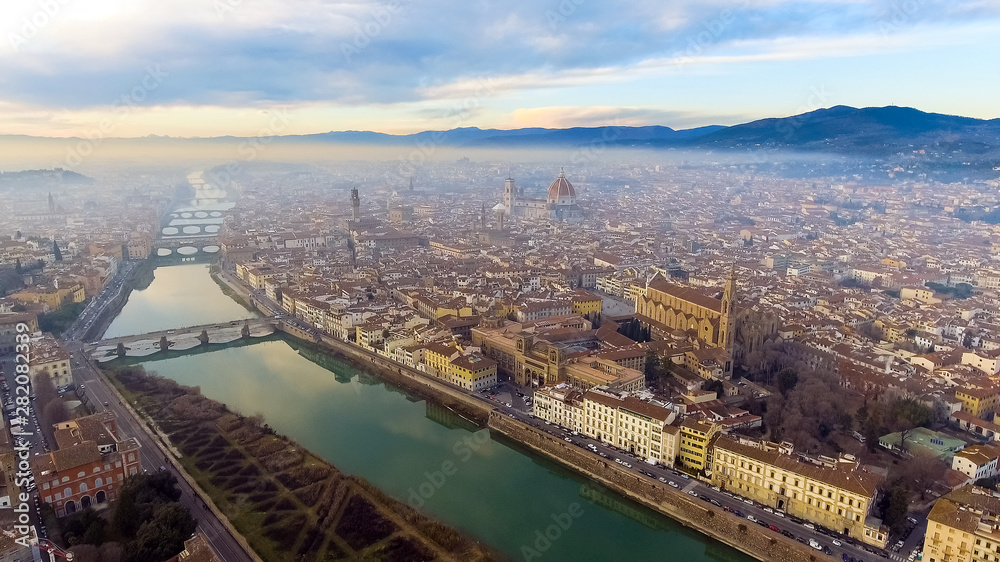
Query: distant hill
[[840, 129], [869, 130], [56, 175], [535, 136]]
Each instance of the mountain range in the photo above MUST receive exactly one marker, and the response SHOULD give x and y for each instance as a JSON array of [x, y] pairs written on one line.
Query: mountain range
[[839, 129]]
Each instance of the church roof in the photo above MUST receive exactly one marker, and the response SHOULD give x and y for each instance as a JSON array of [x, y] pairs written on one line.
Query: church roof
[[561, 187], [687, 294]]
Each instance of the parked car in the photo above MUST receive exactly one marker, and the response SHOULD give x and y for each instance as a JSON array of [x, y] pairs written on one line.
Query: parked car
[[672, 484]]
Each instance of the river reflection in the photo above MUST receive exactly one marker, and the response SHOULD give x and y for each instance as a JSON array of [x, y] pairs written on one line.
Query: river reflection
[[179, 296]]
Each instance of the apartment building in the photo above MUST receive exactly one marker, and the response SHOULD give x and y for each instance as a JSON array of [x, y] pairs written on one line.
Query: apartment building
[[963, 527], [89, 465], [835, 493]]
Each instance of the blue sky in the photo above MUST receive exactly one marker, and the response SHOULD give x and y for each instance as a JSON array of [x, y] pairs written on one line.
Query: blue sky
[[217, 67]]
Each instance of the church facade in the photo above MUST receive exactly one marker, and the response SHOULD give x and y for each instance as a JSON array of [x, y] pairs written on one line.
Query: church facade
[[558, 205], [712, 322]]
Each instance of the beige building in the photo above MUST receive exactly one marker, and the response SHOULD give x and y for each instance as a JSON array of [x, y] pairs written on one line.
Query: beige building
[[47, 355], [835, 493], [963, 526], [624, 421]]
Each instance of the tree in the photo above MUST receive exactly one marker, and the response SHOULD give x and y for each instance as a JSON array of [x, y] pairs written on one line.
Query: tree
[[908, 414], [120, 350], [55, 411], [17, 265], [713, 385], [162, 536], [787, 379], [896, 506], [203, 338], [56, 251], [164, 344]]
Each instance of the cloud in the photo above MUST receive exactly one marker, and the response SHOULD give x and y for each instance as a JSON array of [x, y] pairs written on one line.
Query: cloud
[[597, 116], [357, 53]]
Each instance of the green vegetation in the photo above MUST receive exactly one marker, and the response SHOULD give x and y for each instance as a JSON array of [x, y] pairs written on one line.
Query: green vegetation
[[147, 523], [634, 330], [61, 318], [959, 291], [289, 504]]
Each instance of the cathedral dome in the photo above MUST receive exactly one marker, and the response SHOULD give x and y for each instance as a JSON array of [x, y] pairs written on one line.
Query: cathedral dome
[[561, 188]]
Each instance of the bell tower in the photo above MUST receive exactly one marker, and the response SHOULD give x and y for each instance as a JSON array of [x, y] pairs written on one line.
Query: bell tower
[[509, 195], [355, 204], [727, 322]]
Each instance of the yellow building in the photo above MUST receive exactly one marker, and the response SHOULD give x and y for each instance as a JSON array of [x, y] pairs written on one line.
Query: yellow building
[[472, 372], [979, 402], [695, 443], [53, 297], [47, 355], [963, 526], [835, 493], [586, 304]]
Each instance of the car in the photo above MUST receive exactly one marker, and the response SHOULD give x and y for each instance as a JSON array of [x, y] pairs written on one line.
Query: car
[[105, 403], [605, 455], [814, 544], [787, 534], [751, 519], [827, 551], [738, 513], [773, 528], [768, 509], [748, 501], [837, 542], [662, 479], [715, 503], [779, 513], [692, 493], [627, 465], [685, 476], [567, 439], [809, 526], [911, 520], [672, 484], [705, 498]]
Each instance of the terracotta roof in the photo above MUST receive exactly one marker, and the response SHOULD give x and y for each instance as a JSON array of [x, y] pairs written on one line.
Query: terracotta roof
[[561, 187], [687, 294], [76, 455], [853, 480]]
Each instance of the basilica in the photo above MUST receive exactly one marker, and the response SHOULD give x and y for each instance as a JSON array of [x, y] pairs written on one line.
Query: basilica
[[558, 205]]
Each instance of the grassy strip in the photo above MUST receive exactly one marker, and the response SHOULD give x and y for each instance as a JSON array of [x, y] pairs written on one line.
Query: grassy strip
[[288, 503]]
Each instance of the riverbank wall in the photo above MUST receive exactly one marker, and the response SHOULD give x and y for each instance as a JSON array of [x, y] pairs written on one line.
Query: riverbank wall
[[749, 538]]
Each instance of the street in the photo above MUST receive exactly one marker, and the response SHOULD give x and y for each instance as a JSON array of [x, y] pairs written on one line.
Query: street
[[98, 393]]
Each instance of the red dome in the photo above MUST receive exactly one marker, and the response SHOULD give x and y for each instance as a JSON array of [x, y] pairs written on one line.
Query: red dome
[[561, 187]]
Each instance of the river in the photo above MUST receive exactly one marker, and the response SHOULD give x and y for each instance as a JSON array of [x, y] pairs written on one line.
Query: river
[[416, 452], [180, 296]]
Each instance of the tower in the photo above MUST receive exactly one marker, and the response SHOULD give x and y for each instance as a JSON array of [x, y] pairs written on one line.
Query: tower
[[52, 203], [509, 195], [727, 323], [482, 219], [411, 183], [355, 204]]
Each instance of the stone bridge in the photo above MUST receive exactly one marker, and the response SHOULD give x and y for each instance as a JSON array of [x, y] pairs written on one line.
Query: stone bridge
[[141, 345]]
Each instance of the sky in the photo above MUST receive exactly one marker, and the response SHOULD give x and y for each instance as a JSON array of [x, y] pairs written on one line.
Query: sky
[[132, 68]]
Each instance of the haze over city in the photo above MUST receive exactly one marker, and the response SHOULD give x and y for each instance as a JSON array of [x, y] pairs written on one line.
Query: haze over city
[[407, 281]]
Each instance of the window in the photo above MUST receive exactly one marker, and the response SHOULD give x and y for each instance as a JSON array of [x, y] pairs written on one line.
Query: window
[[67, 493], [83, 487], [99, 482], [81, 474]]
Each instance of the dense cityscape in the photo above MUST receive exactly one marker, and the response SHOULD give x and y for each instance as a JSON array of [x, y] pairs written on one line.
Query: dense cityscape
[[824, 351], [377, 280]]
